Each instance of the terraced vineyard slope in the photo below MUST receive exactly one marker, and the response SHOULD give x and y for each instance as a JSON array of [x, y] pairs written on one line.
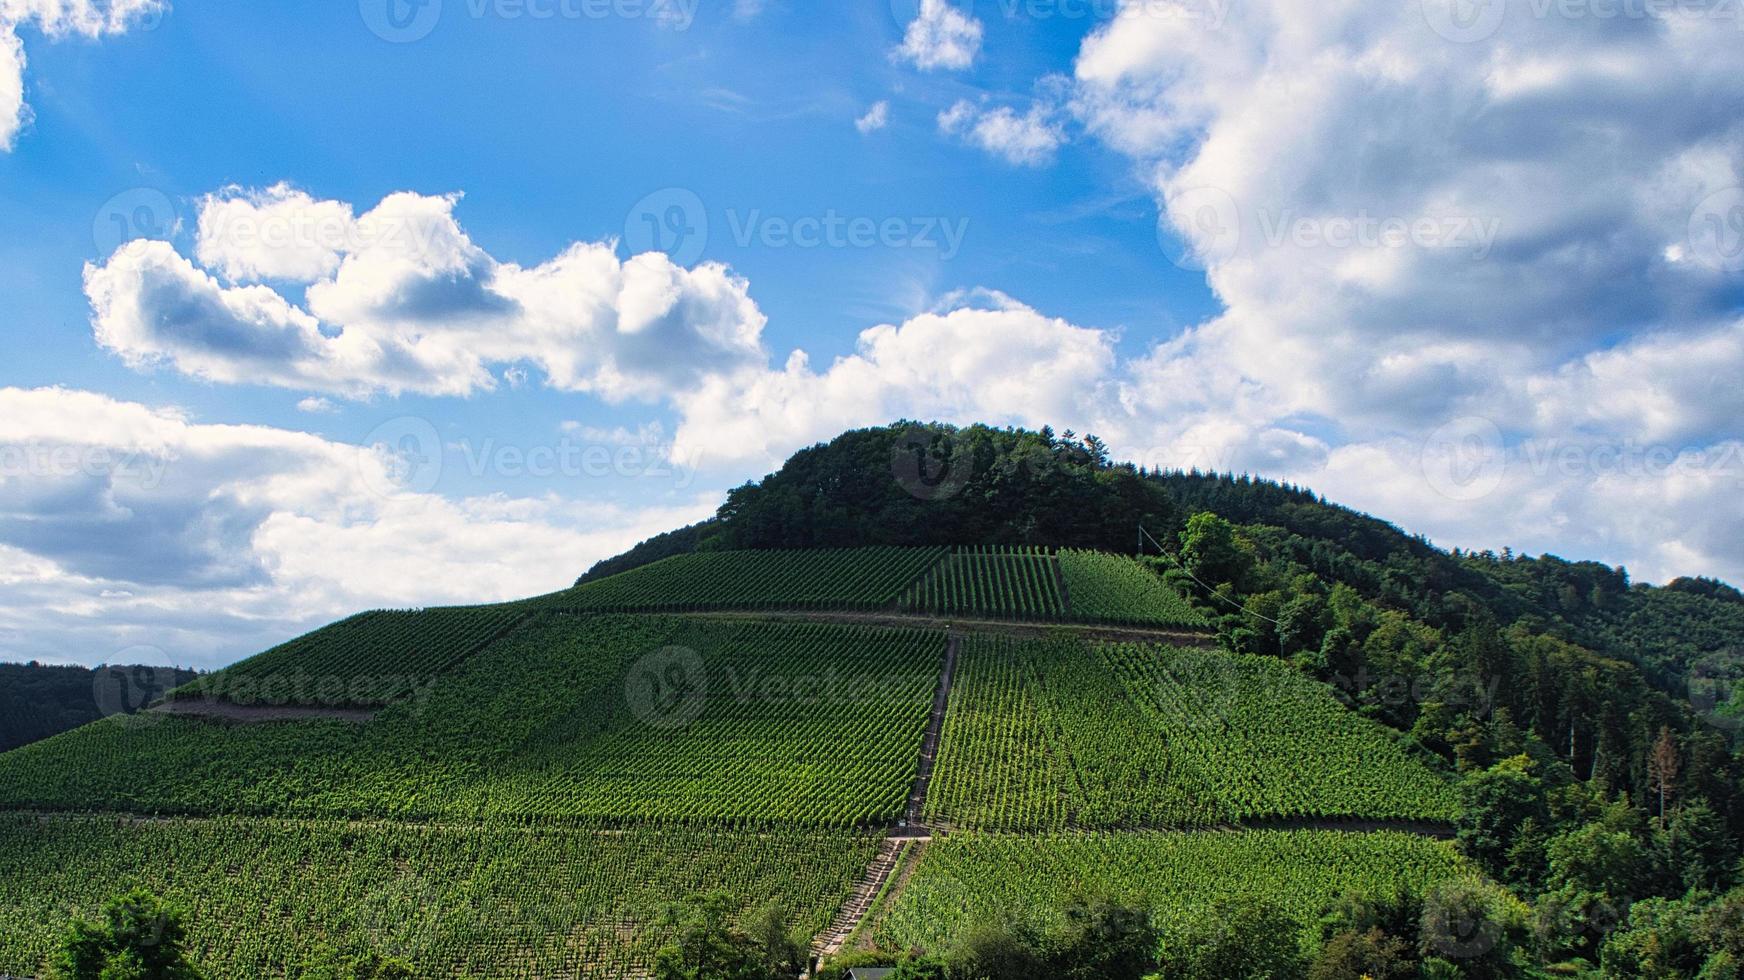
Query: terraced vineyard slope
[[968, 878], [1046, 735], [457, 901], [582, 721], [370, 659], [849, 578]]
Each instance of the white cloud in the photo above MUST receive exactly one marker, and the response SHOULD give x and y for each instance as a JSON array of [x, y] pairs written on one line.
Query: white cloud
[[1027, 140], [1003, 364], [317, 406], [748, 10], [279, 233], [401, 300], [123, 525], [941, 37], [1401, 227], [56, 19], [876, 118]]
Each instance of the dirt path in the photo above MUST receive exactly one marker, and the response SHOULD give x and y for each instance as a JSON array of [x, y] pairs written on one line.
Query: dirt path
[[910, 831], [866, 892], [915, 815], [1002, 627]]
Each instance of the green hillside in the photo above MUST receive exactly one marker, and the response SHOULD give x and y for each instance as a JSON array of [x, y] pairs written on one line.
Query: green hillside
[[931, 724]]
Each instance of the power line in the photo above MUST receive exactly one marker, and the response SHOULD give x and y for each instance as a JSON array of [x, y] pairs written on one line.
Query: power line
[[1189, 573]]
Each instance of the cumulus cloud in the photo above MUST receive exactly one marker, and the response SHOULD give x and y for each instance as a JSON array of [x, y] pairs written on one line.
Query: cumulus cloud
[[1400, 224], [1412, 222], [123, 524], [56, 19], [876, 118], [941, 37], [1026, 140], [997, 362], [400, 299]]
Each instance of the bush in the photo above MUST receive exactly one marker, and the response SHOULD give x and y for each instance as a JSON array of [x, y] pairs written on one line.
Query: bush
[[138, 938]]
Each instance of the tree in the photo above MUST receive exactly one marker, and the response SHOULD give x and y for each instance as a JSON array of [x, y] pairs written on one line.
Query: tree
[[1495, 805], [1659, 943], [1474, 925], [1210, 551], [138, 937], [1233, 939], [704, 946], [1373, 955], [1698, 852], [995, 951], [1595, 858], [1102, 940], [1662, 766]]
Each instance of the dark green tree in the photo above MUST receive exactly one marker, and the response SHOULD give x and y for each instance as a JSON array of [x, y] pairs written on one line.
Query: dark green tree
[[137, 937], [705, 946], [1495, 805], [1102, 940], [1232, 939]]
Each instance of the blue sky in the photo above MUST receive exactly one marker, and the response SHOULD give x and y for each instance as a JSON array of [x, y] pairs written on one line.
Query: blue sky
[[1477, 275]]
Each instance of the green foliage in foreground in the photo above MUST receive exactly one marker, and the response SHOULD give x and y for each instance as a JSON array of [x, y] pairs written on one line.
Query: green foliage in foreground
[[579, 720], [266, 898], [137, 937], [967, 880], [1045, 735]]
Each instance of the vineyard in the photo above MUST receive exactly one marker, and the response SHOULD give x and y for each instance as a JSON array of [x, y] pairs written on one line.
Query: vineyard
[[1008, 583], [848, 578], [574, 720], [542, 777], [1108, 588], [370, 659], [1275, 744], [265, 897], [1046, 735], [968, 878], [1018, 583]]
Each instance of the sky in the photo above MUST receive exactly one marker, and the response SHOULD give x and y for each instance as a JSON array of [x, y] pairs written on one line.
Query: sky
[[314, 308]]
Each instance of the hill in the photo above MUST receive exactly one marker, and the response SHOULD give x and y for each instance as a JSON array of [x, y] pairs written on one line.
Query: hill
[[914, 687], [39, 700]]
